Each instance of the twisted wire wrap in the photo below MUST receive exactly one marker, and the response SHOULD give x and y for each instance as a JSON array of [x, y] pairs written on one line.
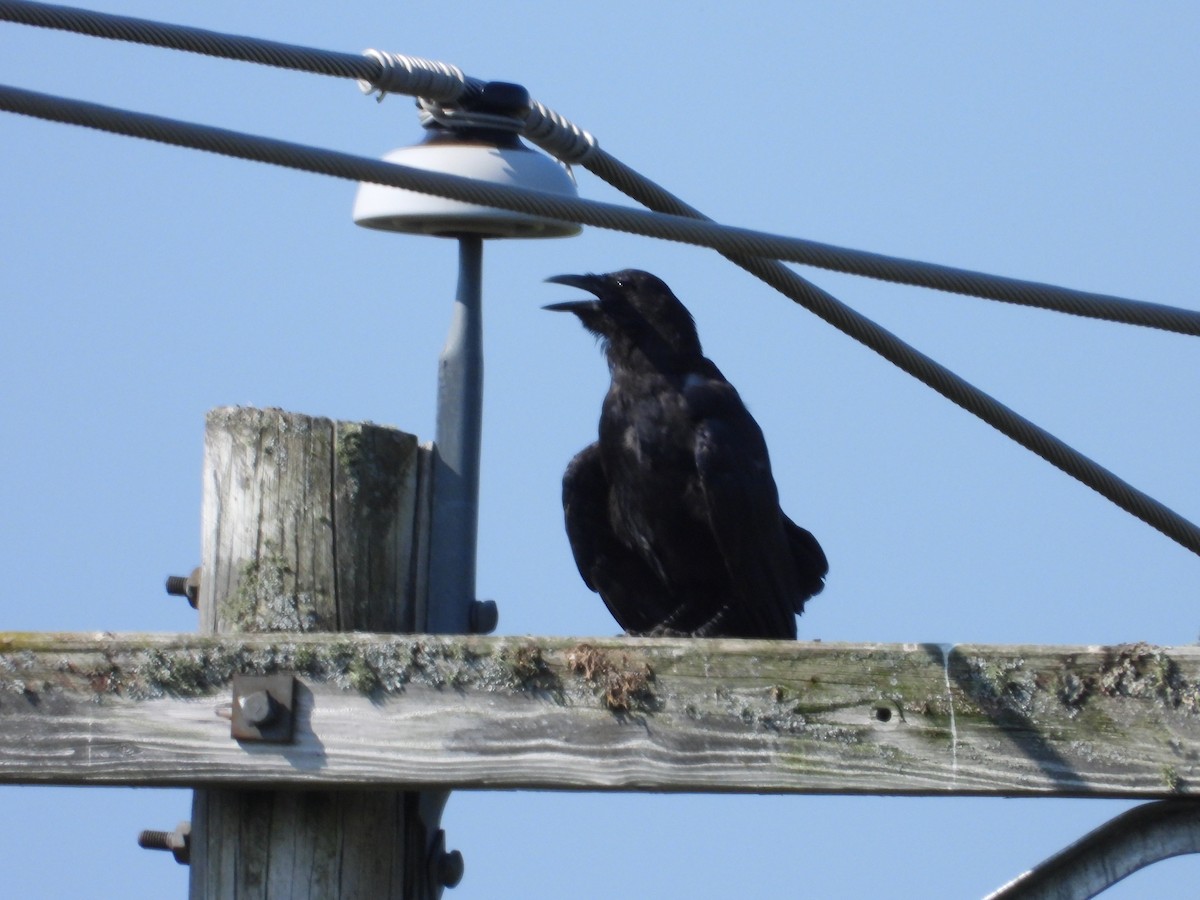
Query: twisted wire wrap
[[557, 135], [457, 117], [400, 74]]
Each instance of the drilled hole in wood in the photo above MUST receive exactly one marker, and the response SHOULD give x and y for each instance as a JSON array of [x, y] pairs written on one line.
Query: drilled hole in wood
[[883, 714]]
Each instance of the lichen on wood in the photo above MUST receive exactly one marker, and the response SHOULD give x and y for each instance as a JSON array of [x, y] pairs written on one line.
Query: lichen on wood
[[262, 600], [665, 714]]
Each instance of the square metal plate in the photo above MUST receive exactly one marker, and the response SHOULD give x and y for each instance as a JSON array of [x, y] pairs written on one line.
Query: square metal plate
[[263, 708]]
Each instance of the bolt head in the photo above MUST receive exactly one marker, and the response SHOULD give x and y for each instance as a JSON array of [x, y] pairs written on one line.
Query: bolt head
[[257, 708], [451, 868], [485, 616], [181, 843]]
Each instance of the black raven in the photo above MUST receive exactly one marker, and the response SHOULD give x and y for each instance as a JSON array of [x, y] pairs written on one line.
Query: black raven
[[673, 515]]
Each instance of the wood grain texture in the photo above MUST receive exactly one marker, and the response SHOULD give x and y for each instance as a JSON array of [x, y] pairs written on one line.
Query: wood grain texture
[[310, 525], [629, 714]]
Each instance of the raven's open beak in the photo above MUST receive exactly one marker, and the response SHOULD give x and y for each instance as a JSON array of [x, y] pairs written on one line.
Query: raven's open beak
[[589, 283]]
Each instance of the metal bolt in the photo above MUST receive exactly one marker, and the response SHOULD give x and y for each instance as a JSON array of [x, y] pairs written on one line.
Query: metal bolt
[[179, 586], [258, 708], [262, 708], [179, 841], [485, 616], [445, 868], [451, 868], [154, 840]]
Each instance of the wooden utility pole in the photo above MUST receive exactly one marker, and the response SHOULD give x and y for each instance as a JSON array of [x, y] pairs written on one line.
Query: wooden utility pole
[[313, 525], [314, 528]]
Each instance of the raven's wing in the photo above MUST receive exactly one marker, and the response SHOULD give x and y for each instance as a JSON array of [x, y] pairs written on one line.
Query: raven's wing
[[742, 506], [632, 592]]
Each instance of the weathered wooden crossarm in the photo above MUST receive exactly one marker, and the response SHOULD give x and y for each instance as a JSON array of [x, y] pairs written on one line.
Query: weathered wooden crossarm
[[565, 713]]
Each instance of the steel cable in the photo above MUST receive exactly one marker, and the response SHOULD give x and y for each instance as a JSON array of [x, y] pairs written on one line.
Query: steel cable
[[192, 40], [389, 72], [928, 371], [651, 224]]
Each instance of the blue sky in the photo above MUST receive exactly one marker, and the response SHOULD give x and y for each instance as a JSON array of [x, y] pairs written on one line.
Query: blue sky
[[144, 285]]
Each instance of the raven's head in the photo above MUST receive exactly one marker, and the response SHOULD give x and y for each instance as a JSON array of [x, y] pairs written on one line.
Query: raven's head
[[632, 309]]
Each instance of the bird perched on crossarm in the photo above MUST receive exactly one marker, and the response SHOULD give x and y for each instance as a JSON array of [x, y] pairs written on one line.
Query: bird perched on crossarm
[[673, 515]]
